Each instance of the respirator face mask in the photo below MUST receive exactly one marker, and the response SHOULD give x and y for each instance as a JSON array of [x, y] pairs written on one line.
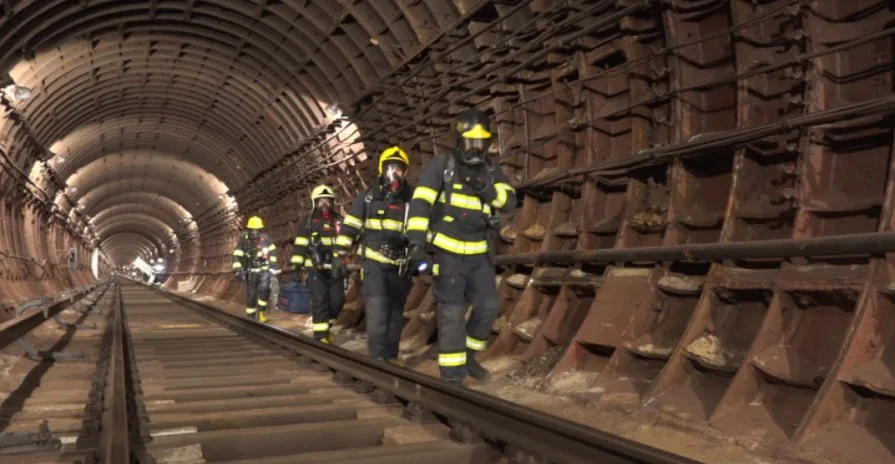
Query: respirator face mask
[[393, 175], [475, 150]]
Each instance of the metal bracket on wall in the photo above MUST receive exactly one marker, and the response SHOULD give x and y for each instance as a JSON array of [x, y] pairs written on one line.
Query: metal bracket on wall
[[30, 442], [69, 325], [39, 355], [33, 303]]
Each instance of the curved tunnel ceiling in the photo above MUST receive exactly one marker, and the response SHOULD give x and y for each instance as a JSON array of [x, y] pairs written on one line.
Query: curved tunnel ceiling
[[176, 102]]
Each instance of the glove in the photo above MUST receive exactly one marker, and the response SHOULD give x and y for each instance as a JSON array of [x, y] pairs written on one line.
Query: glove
[[416, 256], [494, 221], [339, 268]]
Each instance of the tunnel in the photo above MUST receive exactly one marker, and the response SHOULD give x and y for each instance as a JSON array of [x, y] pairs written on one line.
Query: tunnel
[[659, 149]]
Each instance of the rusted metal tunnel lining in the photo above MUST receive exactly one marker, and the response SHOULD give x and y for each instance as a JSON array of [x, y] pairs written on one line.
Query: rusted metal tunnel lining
[[156, 127]]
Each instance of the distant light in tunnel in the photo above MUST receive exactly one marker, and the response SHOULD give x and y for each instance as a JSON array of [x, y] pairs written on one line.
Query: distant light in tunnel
[[334, 111]]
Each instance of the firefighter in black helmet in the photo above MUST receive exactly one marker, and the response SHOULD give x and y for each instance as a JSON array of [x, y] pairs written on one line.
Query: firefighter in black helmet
[[314, 250], [253, 259], [377, 218], [456, 202]]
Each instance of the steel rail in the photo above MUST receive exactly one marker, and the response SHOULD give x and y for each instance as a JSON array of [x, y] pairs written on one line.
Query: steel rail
[[838, 245], [11, 331], [114, 440], [543, 436]]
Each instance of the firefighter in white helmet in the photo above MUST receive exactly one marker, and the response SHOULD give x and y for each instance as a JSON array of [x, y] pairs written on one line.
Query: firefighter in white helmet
[[314, 251]]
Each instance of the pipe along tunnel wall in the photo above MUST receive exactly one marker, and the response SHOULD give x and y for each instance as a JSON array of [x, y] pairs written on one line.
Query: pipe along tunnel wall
[[157, 128]]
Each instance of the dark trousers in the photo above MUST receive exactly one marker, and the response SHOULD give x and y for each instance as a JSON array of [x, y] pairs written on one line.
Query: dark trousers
[[257, 292], [327, 299], [459, 280], [385, 292]]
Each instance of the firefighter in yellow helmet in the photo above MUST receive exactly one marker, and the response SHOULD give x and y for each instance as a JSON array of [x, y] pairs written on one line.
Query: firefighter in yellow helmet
[[253, 260], [456, 202], [314, 251], [376, 221]]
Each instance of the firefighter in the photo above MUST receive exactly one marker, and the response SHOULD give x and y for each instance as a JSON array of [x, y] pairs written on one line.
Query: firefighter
[[253, 260], [456, 202], [377, 219], [314, 249]]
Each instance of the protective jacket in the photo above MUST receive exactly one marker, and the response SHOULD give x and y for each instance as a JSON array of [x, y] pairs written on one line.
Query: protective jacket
[[380, 216], [254, 254], [457, 207], [315, 241]]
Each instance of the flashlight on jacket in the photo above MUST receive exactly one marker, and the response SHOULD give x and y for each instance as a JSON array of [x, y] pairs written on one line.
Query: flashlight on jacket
[[422, 266]]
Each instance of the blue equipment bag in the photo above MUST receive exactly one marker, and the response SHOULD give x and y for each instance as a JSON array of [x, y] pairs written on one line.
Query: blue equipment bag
[[294, 298]]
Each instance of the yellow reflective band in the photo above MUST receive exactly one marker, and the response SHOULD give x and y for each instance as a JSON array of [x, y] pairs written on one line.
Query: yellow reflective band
[[321, 326], [328, 241], [272, 258], [464, 201], [238, 252], [426, 194], [301, 241], [458, 246], [475, 344], [477, 132], [259, 254], [271, 247], [419, 224], [263, 303], [251, 310], [296, 259], [503, 190], [237, 264], [436, 270], [344, 241], [385, 224], [378, 257], [352, 222], [429, 236], [452, 359]]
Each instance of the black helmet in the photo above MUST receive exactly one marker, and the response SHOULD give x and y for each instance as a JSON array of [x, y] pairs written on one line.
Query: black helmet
[[473, 136]]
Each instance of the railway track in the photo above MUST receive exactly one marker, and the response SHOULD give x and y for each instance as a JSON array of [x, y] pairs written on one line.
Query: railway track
[[169, 380]]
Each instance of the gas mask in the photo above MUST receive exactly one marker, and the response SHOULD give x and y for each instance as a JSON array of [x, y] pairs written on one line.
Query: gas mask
[[325, 205], [475, 150], [393, 176], [254, 234]]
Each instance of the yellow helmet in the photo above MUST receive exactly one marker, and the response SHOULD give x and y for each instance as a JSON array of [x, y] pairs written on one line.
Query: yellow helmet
[[255, 223], [394, 153], [322, 191]]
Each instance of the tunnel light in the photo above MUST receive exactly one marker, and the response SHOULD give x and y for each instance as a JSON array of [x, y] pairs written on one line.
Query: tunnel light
[[334, 111], [59, 160], [17, 93]]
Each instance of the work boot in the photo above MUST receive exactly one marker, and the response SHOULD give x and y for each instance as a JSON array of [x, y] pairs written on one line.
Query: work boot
[[262, 316], [326, 340], [455, 382], [396, 362], [476, 370]]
